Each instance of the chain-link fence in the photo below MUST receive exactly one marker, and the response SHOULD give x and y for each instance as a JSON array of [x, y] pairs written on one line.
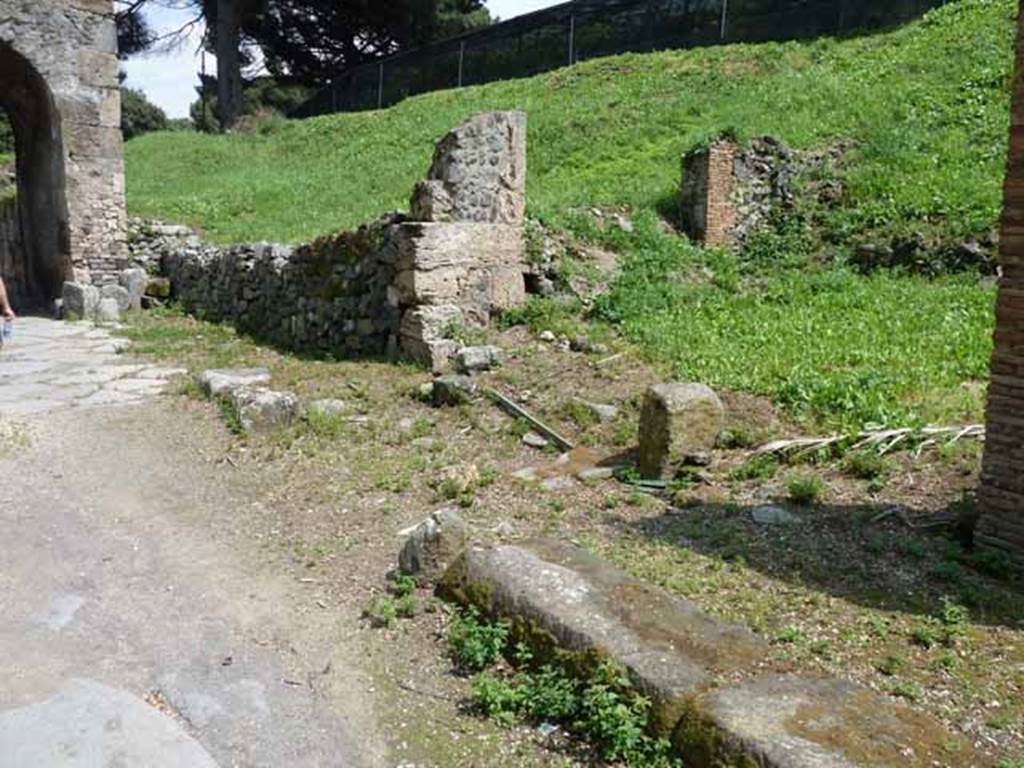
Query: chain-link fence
[[585, 29]]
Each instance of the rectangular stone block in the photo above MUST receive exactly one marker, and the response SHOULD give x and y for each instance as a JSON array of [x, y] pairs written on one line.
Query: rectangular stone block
[[667, 645], [427, 246]]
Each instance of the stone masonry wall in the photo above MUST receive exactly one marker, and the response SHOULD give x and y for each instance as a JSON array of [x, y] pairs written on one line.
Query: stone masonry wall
[[1001, 494], [398, 286], [71, 45]]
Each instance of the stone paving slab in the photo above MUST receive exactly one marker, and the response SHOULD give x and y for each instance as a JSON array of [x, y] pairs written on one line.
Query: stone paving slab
[[49, 365], [88, 725]]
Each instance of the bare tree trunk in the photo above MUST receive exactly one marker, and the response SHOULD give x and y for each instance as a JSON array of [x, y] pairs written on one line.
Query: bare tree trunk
[[229, 66]]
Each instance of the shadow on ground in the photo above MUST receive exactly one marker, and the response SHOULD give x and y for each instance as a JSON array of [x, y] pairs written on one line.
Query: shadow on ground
[[871, 555]]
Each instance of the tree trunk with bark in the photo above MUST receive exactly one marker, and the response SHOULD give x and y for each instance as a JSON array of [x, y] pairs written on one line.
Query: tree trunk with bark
[[229, 65]]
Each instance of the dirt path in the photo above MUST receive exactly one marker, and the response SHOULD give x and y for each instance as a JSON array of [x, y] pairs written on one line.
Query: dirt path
[[139, 628]]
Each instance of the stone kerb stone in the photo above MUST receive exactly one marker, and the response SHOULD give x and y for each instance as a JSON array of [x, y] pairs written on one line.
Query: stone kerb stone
[[668, 646], [711, 686], [787, 721]]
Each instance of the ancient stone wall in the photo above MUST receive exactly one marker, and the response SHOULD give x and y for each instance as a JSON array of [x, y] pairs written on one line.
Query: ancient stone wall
[[59, 84], [1001, 495], [400, 285]]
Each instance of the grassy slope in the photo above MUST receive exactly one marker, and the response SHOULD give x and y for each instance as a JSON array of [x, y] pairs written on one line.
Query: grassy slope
[[927, 102], [927, 105]]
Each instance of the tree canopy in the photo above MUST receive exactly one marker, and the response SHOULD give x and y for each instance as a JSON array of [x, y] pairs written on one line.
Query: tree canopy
[[312, 40], [302, 42]]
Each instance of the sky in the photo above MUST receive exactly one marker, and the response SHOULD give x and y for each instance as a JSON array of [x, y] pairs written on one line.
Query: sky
[[169, 78]]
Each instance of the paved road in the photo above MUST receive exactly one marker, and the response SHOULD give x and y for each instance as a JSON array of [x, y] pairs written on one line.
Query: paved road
[[133, 635], [48, 365]]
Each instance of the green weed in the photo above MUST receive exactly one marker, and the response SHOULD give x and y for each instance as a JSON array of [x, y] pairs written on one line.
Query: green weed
[[805, 489], [474, 643]]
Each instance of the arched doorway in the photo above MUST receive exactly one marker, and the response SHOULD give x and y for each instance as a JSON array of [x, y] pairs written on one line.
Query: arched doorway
[[35, 254]]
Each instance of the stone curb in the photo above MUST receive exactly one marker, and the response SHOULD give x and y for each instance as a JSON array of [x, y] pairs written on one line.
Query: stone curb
[[559, 595]]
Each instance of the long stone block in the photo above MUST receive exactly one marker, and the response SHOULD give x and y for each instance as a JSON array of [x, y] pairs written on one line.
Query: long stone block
[[558, 595], [669, 647], [429, 246], [786, 721]]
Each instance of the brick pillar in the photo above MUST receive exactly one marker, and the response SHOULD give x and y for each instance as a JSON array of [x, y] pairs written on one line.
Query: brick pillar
[[1001, 496], [707, 199]]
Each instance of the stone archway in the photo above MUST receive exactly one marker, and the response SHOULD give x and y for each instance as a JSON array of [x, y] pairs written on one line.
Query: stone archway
[[38, 259], [59, 86]]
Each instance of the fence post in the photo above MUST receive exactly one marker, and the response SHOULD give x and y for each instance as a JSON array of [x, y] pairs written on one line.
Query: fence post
[[462, 58], [842, 15], [725, 11], [572, 36], [380, 85]]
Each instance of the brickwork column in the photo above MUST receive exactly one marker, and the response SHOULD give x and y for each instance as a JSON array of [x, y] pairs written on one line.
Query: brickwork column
[[708, 204], [1001, 496]]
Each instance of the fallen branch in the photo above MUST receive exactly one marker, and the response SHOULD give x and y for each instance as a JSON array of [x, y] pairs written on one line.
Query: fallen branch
[[881, 440], [517, 410]]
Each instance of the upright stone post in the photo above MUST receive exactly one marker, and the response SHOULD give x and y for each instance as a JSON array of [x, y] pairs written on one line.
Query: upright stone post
[[461, 258], [1001, 496]]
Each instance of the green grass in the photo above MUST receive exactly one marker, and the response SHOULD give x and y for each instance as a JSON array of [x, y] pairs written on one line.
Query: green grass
[[831, 345], [927, 104], [926, 107]]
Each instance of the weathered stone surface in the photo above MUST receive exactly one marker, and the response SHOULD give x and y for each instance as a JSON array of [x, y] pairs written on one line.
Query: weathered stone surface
[[478, 173], [424, 335], [478, 359], [668, 646], [221, 381], [793, 722], [454, 389], [676, 421], [59, 77], [264, 410], [80, 301], [600, 411], [108, 310], [533, 440], [327, 408], [465, 264], [118, 294], [134, 281], [433, 546], [773, 515]]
